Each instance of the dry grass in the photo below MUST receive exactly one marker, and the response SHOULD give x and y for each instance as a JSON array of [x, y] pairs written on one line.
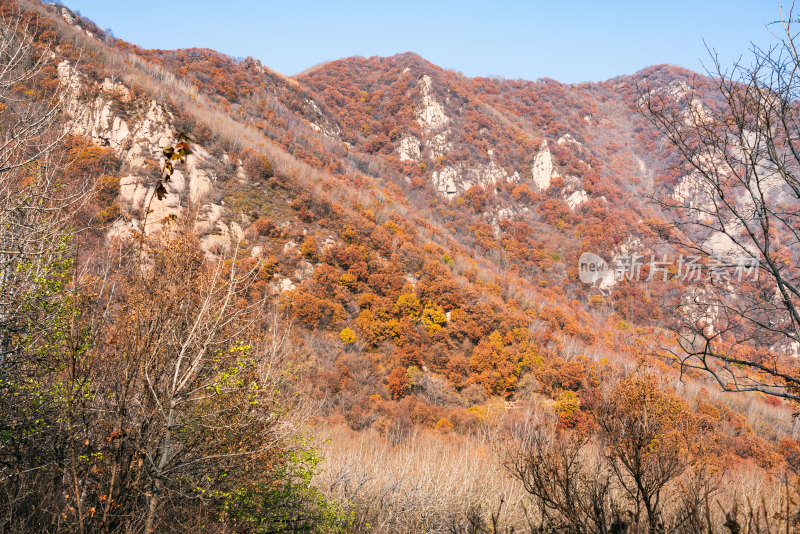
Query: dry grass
[[431, 482], [421, 485]]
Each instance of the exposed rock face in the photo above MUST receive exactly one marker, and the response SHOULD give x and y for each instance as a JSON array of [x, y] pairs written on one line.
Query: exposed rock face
[[409, 149], [328, 243], [94, 119], [162, 210], [199, 185], [677, 89], [116, 89], [207, 218], [573, 195], [200, 180], [790, 348], [721, 244], [67, 16], [138, 197], [318, 121], [433, 121], [132, 191], [695, 112], [445, 181], [695, 195], [149, 135], [135, 139], [138, 139], [452, 181], [488, 174], [577, 198], [567, 139], [103, 128], [430, 113], [438, 145], [304, 271], [284, 284], [632, 245], [542, 170], [290, 246]]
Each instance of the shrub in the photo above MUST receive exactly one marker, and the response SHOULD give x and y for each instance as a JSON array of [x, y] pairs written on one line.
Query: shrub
[[347, 336], [398, 383], [266, 228], [257, 166]]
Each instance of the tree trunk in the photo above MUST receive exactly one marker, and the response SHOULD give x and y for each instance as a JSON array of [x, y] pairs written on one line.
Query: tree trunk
[[162, 462]]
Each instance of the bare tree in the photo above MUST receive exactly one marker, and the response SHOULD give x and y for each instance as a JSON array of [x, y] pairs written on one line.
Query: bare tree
[[29, 111], [647, 436], [737, 206], [198, 401], [571, 488], [36, 205], [142, 391], [624, 479], [36, 213], [167, 395]]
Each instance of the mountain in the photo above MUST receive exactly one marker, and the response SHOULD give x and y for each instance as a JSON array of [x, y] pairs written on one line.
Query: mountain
[[394, 181], [420, 229]]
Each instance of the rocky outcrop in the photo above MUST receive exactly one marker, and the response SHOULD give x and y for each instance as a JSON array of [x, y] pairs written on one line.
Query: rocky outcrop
[[136, 138], [432, 121], [318, 121], [149, 135], [409, 149], [452, 181], [576, 198], [446, 181], [139, 137], [430, 114], [542, 169], [567, 139], [695, 195], [572, 192], [438, 145]]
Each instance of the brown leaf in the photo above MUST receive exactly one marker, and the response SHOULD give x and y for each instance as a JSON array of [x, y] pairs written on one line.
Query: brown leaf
[[161, 191]]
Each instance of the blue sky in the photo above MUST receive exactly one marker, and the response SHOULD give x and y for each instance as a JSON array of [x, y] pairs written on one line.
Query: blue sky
[[570, 41]]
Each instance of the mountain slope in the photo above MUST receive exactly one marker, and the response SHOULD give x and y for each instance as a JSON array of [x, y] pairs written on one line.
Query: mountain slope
[[436, 219]]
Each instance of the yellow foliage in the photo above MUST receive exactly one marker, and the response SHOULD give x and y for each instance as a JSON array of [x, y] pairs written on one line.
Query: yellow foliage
[[348, 280], [568, 403], [434, 318], [347, 336], [414, 375], [408, 305], [479, 412], [444, 426], [309, 247], [393, 228], [457, 315]]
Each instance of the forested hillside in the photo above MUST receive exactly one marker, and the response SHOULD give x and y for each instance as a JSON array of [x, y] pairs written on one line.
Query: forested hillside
[[351, 300]]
